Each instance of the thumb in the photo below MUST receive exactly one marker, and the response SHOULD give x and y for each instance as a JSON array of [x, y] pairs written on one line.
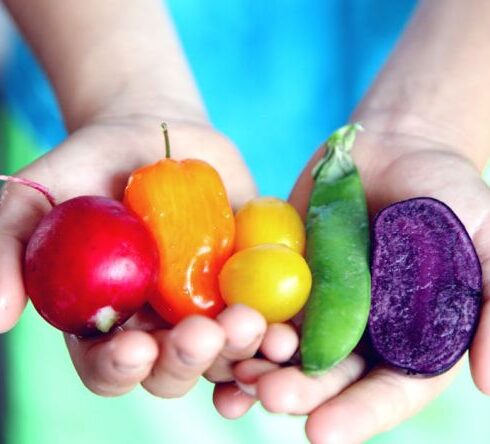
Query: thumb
[[300, 195], [480, 348], [21, 208]]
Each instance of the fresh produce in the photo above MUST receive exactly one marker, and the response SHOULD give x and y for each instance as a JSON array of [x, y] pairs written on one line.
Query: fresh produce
[[427, 286], [268, 272], [89, 265], [267, 220], [271, 278], [337, 250], [185, 206]]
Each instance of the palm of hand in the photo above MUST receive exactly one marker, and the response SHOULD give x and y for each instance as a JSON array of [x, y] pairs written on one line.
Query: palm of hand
[[352, 402]]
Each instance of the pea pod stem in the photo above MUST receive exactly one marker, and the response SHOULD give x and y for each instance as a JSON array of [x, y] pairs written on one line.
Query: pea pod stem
[[337, 162]]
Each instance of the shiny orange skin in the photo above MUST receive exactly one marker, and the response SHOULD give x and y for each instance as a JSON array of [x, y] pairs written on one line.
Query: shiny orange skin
[[185, 206]]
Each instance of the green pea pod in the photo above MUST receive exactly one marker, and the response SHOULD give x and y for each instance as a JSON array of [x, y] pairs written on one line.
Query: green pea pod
[[337, 250]]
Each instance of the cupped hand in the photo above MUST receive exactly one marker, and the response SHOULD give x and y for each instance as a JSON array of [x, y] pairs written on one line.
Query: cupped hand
[[97, 160], [360, 397]]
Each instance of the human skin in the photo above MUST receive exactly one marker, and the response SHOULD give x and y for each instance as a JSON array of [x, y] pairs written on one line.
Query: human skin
[[118, 72], [427, 134]]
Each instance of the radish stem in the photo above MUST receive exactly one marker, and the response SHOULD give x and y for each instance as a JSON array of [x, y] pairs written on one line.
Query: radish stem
[[36, 186]]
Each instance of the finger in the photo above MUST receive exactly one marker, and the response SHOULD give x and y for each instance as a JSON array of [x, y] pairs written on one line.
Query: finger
[[230, 401], [21, 208], [244, 329], [248, 372], [289, 390], [480, 351], [373, 405], [280, 343], [146, 319], [480, 347], [300, 195], [186, 352], [234, 400], [12, 293], [114, 365]]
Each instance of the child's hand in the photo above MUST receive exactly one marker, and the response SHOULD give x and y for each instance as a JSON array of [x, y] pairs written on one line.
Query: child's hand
[[98, 159], [359, 399]]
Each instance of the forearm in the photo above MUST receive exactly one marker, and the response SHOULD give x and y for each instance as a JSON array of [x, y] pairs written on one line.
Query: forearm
[[104, 56], [436, 83]]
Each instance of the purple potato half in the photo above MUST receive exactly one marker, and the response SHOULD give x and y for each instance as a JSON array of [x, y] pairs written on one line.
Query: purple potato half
[[426, 286]]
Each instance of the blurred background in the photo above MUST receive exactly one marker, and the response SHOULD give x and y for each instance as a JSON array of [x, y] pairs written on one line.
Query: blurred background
[[277, 77]]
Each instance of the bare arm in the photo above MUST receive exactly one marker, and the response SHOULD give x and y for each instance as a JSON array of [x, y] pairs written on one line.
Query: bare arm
[[104, 55], [436, 83]]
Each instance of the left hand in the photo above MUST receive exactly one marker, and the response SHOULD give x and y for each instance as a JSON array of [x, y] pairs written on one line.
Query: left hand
[[355, 400]]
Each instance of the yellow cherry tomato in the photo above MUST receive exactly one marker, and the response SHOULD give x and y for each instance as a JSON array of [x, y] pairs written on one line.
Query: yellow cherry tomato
[[269, 220], [271, 278]]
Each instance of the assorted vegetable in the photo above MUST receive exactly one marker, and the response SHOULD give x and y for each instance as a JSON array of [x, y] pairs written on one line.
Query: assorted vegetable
[[271, 278], [267, 272], [338, 255], [93, 262], [427, 287], [185, 206]]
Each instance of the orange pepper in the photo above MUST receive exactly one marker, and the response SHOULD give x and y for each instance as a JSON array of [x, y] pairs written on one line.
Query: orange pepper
[[185, 206]]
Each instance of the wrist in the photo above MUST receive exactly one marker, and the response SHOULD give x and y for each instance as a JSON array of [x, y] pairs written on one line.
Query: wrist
[[136, 69], [433, 86], [115, 56], [143, 98]]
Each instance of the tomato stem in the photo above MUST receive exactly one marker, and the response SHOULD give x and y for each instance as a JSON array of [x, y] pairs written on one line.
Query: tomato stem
[[36, 186], [167, 140]]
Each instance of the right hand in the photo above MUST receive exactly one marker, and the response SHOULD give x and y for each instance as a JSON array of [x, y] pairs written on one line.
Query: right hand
[[362, 396]]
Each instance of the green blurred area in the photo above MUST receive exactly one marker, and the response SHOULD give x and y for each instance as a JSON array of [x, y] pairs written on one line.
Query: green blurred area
[[17, 148], [49, 405]]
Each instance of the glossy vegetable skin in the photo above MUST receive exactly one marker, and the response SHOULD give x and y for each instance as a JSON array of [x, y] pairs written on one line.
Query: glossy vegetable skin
[[271, 278], [267, 220], [337, 252], [427, 287], [90, 265], [185, 206]]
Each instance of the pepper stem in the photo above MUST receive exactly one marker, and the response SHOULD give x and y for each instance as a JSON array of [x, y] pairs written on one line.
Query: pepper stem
[[36, 186], [167, 140], [337, 161]]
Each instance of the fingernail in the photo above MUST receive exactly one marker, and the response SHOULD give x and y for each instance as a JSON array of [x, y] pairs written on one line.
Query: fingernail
[[242, 346], [189, 359], [136, 368], [248, 389]]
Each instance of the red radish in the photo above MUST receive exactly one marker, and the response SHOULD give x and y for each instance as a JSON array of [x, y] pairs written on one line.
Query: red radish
[[89, 265]]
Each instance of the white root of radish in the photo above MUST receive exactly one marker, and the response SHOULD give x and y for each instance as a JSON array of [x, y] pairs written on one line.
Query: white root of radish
[[105, 318]]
